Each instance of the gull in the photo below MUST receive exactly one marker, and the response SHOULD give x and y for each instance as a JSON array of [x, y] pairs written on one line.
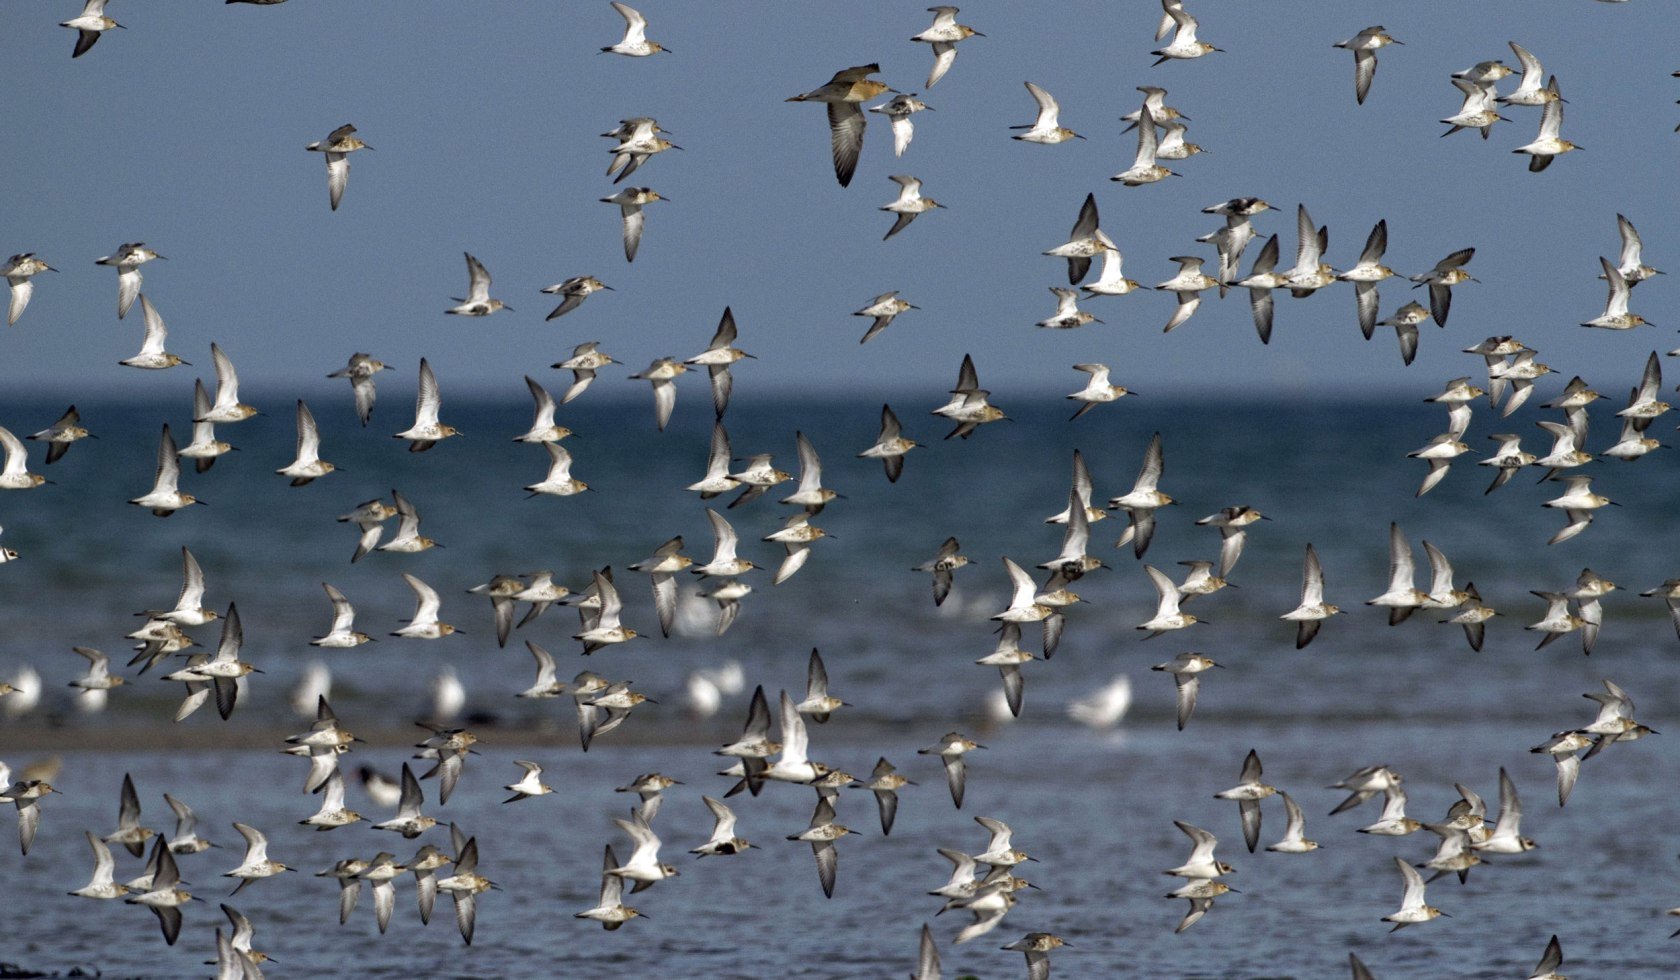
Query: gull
[[308, 465], [1507, 835], [585, 360], [332, 813], [1232, 523], [1184, 43], [1186, 670], [1473, 617], [1248, 793], [891, 446], [1311, 272], [1261, 280], [477, 301], [661, 373], [810, 494], [256, 865], [1037, 947], [464, 886], [337, 147], [1365, 783], [101, 885], [723, 841], [822, 833], [15, 475], [1364, 46], [951, 750], [128, 259], [1548, 144], [1111, 281], [165, 896], [1552, 958], [18, 270], [1439, 454], [640, 140], [1201, 863], [1402, 596], [205, 448], [1365, 275], [910, 202], [1577, 502], [601, 627], [559, 481], [360, 371], [1405, 323], [846, 121], [943, 36], [574, 291], [899, 110], [426, 431], [643, 867], [152, 356], [796, 535], [1167, 617], [1393, 822], [1141, 502], [1068, 315], [1187, 285], [1046, 128], [165, 497], [946, 561], [185, 839], [1615, 315], [1097, 391], [1631, 263], [717, 357], [409, 821], [884, 308], [1412, 908], [1294, 837], [662, 568], [1024, 607], [424, 625], [1144, 169], [1083, 241], [630, 202], [1529, 90], [1477, 112], [408, 538], [129, 833], [610, 911], [542, 427], [635, 43]]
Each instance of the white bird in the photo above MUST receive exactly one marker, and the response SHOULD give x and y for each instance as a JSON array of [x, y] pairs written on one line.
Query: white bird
[[308, 465], [634, 43], [152, 356], [943, 35], [477, 301], [1549, 143], [129, 257], [424, 625], [426, 431], [1364, 46], [1184, 43], [910, 203], [1412, 908], [630, 202], [899, 110], [1402, 595], [89, 25], [165, 497], [360, 371], [1046, 128], [643, 867], [1144, 169], [18, 270], [1616, 315], [337, 147]]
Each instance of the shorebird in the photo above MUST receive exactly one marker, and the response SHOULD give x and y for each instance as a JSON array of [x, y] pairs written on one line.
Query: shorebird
[[165, 896], [1262, 278], [883, 308], [1616, 315], [424, 625], [360, 371], [1365, 275], [1144, 169], [427, 431], [337, 147], [1364, 46], [1097, 391], [601, 626], [1046, 128], [1184, 44], [1141, 502], [643, 867], [661, 374], [1186, 670], [1201, 864], [102, 885], [585, 360], [477, 301], [630, 202], [15, 475], [165, 497], [18, 270], [128, 258], [1631, 262], [408, 538], [1548, 144], [635, 43], [910, 203], [91, 23], [1248, 793], [152, 356], [822, 833], [573, 292], [610, 911], [1083, 242], [898, 110], [639, 142], [1412, 908], [943, 36], [717, 357], [846, 121], [308, 465], [1188, 286], [950, 751], [891, 446], [1477, 111]]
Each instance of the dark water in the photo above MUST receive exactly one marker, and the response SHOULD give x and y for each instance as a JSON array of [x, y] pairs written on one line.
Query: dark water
[[1095, 808]]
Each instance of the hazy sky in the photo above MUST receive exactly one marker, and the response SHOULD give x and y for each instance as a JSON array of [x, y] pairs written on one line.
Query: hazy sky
[[187, 131]]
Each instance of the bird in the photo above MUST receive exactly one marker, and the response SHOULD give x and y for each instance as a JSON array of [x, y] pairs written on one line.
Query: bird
[[630, 202], [14, 474], [1188, 286], [1201, 864], [464, 886], [910, 203], [1552, 958], [585, 360], [165, 896], [943, 36], [89, 25], [1477, 111], [1068, 315], [1365, 275], [1616, 315], [477, 301], [885, 781], [1184, 44], [639, 142], [891, 446], [559, 482], [1097, 391], [1364, 46], [256, 865], [1402, 595], [1186, 670], [898, 111], [101, 885], [152, 356], [308, 465], [717, 357], [822, 833], [610, 911], [1294, 838], [1313, 610], [337, 147], [1631, 263], [360, 371], [1248, 793], [1529, 90], [1548, 144], [427, 431], [573, 292], [165, 497], [723, 841], [644, 867], [424, 625], [129, 833], [128, 258], [1412, 908], [1141, 502], [1046, 129], [1037, 947], [846, 122], [19, 270], [635, 43], [950, 751], [601, 626], [1144, 169]]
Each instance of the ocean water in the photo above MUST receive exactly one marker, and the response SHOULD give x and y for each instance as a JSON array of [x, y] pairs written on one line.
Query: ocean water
[[1095, 808]]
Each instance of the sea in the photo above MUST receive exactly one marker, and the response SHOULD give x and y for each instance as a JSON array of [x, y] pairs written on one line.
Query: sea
[[1094, 806]]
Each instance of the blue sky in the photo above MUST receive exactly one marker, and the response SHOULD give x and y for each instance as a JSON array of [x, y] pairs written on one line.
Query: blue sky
[[187, 131]]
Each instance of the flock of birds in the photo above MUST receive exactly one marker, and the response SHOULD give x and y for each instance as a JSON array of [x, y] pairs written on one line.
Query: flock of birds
[[984, 885]]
